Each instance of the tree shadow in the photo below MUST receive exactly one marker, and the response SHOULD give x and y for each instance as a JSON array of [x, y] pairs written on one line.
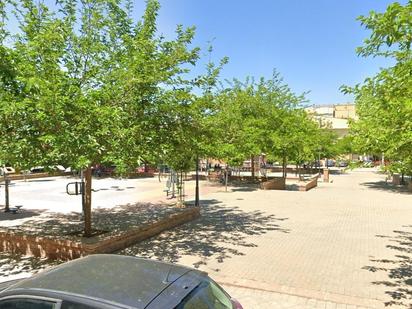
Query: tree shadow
[[387, 187], [113, 220], [40, 180], [244, 188], [292, 187], [15, 264], [67, 225], [220, 233], [398, 269], [113, 188], [22, 214], [247, 185]]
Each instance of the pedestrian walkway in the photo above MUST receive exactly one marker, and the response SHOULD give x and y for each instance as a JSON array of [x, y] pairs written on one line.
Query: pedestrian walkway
[[345, 244]]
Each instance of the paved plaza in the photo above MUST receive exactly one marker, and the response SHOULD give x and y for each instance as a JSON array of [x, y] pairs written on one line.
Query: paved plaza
[[346, 244], [49, 194]]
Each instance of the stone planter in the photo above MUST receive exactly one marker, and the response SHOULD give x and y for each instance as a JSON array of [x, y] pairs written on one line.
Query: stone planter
[[278, 183]]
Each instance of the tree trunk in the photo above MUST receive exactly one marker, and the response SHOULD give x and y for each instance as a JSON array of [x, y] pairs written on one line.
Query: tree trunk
[[173, 180], [319, 174], [284, 166], [6, 192], [252, 166], [87, 202], [226, 176], [181, 186], [197, 197]]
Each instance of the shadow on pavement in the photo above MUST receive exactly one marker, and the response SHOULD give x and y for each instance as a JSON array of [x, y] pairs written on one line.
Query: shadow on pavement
[[398, 269], [244, 188], [66, 226], [388, 187], [13, 264], [113, 188], [219, 233], [22, 214], [114, 220], [40, 180]]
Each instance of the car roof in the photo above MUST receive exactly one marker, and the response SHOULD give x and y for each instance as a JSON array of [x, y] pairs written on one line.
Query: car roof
[[125, 280]]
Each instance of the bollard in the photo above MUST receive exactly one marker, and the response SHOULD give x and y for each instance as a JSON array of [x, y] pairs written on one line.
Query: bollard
[[325, 175]]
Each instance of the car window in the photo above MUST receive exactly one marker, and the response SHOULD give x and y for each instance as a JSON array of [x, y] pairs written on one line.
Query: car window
[[25, 303], [207, 295], [74, 305]]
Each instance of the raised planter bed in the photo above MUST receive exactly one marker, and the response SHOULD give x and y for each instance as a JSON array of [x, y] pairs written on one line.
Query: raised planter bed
[[277, 183], [310, 184], [141, 175], [35, 175], [55, 247]]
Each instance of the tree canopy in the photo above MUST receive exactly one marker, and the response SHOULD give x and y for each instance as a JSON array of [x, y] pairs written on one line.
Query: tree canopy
[[384, 101]]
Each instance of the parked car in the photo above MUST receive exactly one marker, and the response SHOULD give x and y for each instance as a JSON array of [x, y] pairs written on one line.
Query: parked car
[[343, 164], [42, 169], [103, 170], [37, 169], [316, 164], [6, 170], [149, 169], [59, 168], [330, 163], [367, 163], [104, 281]]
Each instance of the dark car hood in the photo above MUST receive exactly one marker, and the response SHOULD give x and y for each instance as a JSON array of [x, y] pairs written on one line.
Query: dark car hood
[[125, 280]]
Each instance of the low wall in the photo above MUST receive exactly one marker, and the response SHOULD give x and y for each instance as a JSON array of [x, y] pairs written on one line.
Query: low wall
[[278, 183], [193, 177], [141, 175], [235, 178], [34, 176], [40, 246], [214, 177], [306, 186], [53, 248]]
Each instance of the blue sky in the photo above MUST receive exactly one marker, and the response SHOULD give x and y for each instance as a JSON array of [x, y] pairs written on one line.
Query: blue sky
[[311, 43]]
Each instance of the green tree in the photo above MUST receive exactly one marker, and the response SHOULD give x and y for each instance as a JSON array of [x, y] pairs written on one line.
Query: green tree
[[257, 117], [383, 102], [86, 85]]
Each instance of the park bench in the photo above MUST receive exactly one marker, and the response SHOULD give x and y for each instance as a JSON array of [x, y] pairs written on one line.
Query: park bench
[[14, 210]]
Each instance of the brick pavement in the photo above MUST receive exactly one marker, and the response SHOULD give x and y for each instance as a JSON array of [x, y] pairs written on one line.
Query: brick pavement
[[345, 244], [262, 299]]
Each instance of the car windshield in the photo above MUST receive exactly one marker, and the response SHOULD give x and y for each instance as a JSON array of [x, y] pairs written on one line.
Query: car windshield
[[207, 295]]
